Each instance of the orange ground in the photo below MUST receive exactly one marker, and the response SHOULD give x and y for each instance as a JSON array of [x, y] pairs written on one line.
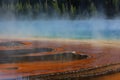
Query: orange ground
[[99, 55]]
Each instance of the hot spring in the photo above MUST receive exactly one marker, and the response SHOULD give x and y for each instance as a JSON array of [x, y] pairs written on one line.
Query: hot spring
[[76, 29]]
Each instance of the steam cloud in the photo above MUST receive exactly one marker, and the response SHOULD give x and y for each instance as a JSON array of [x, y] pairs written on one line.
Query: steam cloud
[[56, 27], [77, 29]]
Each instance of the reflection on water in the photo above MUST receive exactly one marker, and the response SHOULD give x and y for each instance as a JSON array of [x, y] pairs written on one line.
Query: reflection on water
[[78, 29]]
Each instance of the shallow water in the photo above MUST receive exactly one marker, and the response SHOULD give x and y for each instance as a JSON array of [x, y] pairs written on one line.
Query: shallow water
[[77, 29]]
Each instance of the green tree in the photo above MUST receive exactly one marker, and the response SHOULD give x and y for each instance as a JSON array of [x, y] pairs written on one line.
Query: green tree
[[19, 7], [73, 10], [28, 6], [116, 4], [46, 5], [55, 6], [93, 9], [37, 7]]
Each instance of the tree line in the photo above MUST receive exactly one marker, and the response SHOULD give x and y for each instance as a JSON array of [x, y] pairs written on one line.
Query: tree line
[[71, 8]]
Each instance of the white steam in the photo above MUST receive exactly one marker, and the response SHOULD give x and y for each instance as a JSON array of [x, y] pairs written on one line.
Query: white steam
[[77, 29]]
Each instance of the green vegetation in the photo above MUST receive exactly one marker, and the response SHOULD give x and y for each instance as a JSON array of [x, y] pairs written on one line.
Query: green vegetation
[[73, 8]]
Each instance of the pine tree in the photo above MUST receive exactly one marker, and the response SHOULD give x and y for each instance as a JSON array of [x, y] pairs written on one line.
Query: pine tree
[[93, 9], [55, 6], [116, 4], [37, 7], [46, 5], [73, 10]]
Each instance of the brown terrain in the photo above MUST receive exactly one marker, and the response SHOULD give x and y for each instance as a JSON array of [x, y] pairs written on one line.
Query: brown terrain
[[59, 60]]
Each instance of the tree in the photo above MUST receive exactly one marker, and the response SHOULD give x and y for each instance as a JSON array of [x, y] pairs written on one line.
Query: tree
[[92, 9], [74, 8], [116, 5]]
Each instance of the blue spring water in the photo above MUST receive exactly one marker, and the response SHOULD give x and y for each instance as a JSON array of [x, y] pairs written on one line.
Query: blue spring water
[[76, 29]]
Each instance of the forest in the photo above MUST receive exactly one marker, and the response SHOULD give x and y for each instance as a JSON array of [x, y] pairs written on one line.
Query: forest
[[61, 8]]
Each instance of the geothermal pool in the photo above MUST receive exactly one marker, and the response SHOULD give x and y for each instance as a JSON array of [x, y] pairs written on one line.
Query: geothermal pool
[[76, 29], [78, 49]]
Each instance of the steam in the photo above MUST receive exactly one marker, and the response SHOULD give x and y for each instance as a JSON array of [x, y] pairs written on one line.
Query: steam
[[71, 29], [95, 28]]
